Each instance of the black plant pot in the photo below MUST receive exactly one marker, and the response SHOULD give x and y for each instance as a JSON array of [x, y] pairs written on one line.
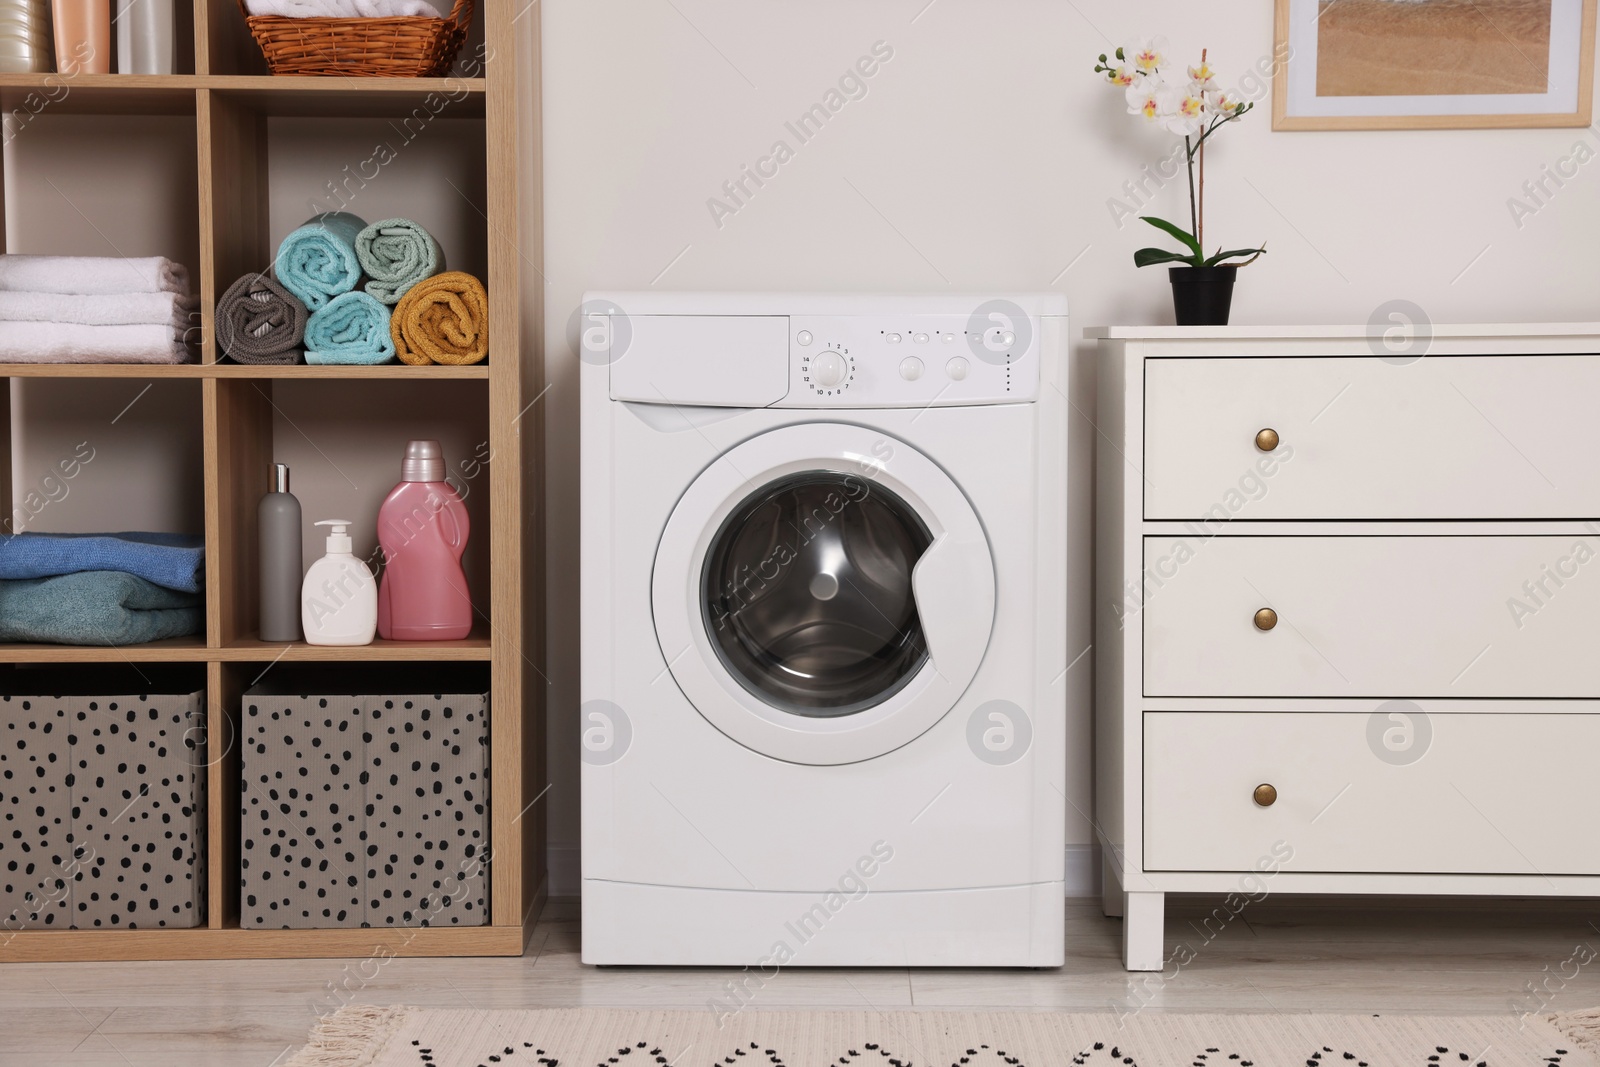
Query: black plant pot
[[1202, 296]]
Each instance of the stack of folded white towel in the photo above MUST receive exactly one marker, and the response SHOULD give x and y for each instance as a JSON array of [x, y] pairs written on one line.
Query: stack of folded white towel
[[86, 309], [344, 9]]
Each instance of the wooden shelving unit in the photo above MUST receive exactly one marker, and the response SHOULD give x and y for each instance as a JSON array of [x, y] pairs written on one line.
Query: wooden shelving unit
[[233, 370], [232, 99]]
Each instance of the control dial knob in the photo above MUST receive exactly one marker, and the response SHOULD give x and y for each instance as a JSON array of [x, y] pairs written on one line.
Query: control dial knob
[[828, 369]]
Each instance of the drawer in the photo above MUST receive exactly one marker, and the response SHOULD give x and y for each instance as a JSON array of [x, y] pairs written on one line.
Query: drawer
[[1448, 437], [1379, 617], [1489, 794]]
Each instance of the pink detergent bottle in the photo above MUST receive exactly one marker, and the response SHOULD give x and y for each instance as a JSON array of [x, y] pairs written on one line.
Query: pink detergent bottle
[[423, 527]]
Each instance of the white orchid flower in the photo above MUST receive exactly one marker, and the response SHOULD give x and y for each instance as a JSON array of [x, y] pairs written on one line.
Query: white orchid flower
[[1123, 75], [1221, 103], [1181, 110], [1144, 98], [1146, 56]]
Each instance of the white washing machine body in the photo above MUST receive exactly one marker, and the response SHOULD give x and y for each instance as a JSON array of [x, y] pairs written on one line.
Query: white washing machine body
[[823, 629]]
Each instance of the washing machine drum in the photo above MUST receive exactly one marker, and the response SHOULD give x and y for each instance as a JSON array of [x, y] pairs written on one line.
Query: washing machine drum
[[836, 590], [808, 597]]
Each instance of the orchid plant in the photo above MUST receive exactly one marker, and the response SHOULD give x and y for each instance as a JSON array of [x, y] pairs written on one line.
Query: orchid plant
[[1194, 108]]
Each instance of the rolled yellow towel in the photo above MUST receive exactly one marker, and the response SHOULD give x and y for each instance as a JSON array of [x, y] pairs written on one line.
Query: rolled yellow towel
[[442, 319]]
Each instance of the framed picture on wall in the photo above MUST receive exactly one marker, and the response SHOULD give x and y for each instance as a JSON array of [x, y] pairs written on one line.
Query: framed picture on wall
[[1433, 64]]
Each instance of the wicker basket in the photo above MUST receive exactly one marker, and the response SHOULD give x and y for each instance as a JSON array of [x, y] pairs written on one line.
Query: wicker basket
[[409, 47]]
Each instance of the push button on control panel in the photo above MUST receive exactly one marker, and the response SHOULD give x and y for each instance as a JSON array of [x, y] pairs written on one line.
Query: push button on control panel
[[957, 369], [911, 368], [803, 337]]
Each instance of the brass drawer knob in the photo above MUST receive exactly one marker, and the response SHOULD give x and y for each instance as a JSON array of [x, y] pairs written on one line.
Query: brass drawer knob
[[1265, 795], [1266, 619], [1267, 440]]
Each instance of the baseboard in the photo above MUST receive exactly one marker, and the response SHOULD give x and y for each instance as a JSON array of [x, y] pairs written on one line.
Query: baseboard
[[1082, 871]]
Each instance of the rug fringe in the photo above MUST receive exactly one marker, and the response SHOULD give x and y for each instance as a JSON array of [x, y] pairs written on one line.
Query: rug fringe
[[350, 1037], [1583, 1027]]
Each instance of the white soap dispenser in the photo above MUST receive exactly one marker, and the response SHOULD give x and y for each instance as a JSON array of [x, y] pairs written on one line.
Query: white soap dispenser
[[339, 599]]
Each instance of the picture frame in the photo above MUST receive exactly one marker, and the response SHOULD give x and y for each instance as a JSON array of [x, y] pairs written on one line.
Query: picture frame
[[1341, 66]]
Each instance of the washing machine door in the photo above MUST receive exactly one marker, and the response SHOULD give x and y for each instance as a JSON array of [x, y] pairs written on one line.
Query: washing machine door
[[824, 593]]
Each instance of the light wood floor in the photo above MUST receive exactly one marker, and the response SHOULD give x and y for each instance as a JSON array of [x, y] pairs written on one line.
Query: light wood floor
[[1434, 956]]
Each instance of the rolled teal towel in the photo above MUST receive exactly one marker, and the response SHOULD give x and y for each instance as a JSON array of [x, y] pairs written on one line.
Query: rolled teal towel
[[318, 261], [96, 608], [397, 254], [176, 561], [353, 328]]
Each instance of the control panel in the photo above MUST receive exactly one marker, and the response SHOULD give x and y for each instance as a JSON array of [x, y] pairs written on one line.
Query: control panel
[[988, 357]]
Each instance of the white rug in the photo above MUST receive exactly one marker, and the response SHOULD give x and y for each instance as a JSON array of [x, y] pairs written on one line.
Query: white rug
[[587, 1037]]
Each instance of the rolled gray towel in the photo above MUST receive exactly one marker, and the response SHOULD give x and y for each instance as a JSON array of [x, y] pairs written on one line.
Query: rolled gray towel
[[259, 321]]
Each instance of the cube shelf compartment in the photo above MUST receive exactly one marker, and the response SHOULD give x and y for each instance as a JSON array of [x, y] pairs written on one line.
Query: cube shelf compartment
[[200, 189], [102, 799], [343, 442], [364, 799]]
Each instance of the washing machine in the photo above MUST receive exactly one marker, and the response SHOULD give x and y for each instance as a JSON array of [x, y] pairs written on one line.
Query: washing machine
[[823, 629]]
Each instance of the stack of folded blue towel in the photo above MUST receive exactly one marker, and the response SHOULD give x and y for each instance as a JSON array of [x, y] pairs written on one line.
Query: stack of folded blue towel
[[101, 589]]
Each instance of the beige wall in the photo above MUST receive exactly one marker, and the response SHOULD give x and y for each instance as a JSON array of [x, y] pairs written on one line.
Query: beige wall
[[983, 157]]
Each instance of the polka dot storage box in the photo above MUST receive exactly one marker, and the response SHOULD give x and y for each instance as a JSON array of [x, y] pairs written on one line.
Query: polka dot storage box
[[102, 798], [364, 798]]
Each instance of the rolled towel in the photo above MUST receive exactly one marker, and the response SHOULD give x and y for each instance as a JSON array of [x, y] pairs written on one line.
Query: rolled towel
[[397, 254], [259, 321], [175, 561], [96, 608], [93, 275], [442, 319], [318, 261], [342, 9], [353, 328], [58, 342], [108, 309]]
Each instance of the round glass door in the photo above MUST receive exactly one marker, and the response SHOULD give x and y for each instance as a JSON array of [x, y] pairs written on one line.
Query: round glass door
[[807, 594], [835, 613]]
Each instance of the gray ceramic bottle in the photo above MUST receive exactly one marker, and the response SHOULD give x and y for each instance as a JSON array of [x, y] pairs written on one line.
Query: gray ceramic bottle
[[282, 569]]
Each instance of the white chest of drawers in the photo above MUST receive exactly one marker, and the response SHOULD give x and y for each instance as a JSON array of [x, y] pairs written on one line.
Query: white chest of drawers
[[1347, 617]]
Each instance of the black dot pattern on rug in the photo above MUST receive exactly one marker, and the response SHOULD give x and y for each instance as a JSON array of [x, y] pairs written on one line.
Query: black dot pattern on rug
[[1098, 1053], [102, 812], [364, 811]]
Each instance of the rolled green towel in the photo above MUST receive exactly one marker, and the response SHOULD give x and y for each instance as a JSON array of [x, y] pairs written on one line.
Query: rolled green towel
[[352, 329], [397, 254], [318, 261], [96, 608]]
